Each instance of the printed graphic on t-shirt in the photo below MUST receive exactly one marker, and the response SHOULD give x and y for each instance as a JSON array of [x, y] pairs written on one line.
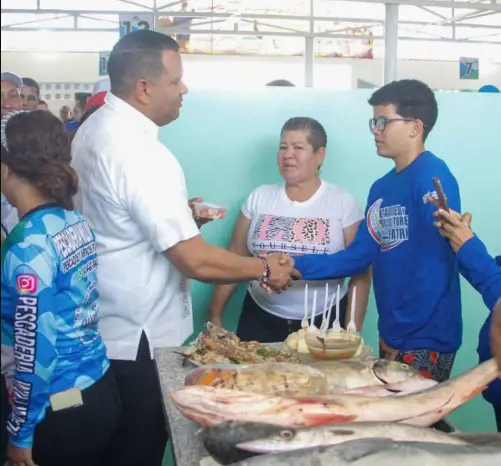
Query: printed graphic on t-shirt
[[293, 235], [389, 226]]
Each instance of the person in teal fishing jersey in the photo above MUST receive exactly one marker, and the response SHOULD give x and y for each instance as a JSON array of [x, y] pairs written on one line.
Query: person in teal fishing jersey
[[64, 402], [416, 279]]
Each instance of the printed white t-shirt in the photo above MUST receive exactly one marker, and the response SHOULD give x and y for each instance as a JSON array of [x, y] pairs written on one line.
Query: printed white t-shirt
[[296, 228]]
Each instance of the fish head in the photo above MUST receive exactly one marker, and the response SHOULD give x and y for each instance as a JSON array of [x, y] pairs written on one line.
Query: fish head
[[212, 376], [221, 441], [287, 439], [390, 372]]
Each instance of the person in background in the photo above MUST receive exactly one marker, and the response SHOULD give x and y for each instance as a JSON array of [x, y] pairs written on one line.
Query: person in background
[[81, 99], [53, 356], [96, 101], [11, 101], [67, 117], [483, 272], [65, 114], [11, 93], [42, 105], [133, 191], [281, 83], [416, 278], [304, 214], [30, 94], [183, 25], [88, 112]]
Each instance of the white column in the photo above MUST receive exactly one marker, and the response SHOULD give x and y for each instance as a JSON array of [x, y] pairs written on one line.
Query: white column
[[309, 52], [308, 61], [390, 43]]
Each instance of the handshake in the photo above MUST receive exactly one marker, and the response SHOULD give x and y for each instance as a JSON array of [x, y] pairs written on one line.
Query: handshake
[[282, 272]]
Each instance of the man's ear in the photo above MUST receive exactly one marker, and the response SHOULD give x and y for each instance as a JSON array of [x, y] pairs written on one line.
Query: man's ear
[[4, 172]]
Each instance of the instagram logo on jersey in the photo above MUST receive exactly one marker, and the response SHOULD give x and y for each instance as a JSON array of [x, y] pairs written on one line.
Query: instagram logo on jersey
[[27, 283]]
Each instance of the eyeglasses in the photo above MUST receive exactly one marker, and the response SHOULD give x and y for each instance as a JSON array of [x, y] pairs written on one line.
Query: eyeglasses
[[381, 122]]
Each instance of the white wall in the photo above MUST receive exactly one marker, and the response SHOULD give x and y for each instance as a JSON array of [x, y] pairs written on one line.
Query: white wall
[[246, 71]]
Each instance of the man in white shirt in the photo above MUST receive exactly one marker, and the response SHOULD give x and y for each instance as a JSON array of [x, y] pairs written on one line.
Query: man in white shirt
[[132, 190]]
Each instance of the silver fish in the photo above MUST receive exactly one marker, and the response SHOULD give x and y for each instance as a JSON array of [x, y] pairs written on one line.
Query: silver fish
[[371, 452], [295, 439], [221, 441], [479, 438]]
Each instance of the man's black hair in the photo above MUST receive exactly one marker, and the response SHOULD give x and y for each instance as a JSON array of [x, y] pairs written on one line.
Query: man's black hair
[[281, 82], [32, 83], [137, 55], [412, 99]]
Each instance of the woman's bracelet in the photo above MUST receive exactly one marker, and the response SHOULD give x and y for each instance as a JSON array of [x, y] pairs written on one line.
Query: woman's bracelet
[[266, 273]]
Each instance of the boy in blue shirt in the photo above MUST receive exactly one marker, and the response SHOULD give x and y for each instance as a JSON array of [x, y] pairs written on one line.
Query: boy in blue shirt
[[416, 280]]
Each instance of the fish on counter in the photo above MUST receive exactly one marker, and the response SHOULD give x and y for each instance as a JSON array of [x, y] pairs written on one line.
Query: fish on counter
[[368, 377], [479, 438], [234, 441], [221, 441], [396, 389], [209, 406], [280, 379], [350, 374], [370, 452], [308, 437], [216, 345], [461, 389]]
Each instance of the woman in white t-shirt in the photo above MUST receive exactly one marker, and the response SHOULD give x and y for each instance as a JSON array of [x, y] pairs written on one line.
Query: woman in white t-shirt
[[303, 216]]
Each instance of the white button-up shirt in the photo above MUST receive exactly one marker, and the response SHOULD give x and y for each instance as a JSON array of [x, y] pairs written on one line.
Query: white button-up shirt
[[133, 192]]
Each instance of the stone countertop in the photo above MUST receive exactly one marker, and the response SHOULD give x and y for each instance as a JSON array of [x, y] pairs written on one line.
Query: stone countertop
[[186, 444]]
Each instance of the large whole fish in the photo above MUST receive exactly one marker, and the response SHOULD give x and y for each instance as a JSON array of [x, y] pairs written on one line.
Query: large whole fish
[[233, 441], [385, 378], [210, 406], [370, 452], [333, 434]]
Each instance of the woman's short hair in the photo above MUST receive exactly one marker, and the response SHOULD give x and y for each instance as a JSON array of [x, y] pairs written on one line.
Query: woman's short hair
[[317, 136]]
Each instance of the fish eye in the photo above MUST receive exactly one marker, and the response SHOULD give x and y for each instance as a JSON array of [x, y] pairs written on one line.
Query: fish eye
[[287, 434]]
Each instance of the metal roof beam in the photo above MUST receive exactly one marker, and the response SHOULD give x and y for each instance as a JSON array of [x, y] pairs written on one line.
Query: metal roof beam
[[33, 21], [266, 33], [140, 5], [438, 4], [431, 12], [259, 16]]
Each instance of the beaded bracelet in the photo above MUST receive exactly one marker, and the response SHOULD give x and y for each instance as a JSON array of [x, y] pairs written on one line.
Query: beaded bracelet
[[266, 273]]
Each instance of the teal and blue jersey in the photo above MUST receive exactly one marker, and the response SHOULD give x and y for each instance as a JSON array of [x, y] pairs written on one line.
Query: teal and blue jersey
[[50, 337], [416, 278]]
